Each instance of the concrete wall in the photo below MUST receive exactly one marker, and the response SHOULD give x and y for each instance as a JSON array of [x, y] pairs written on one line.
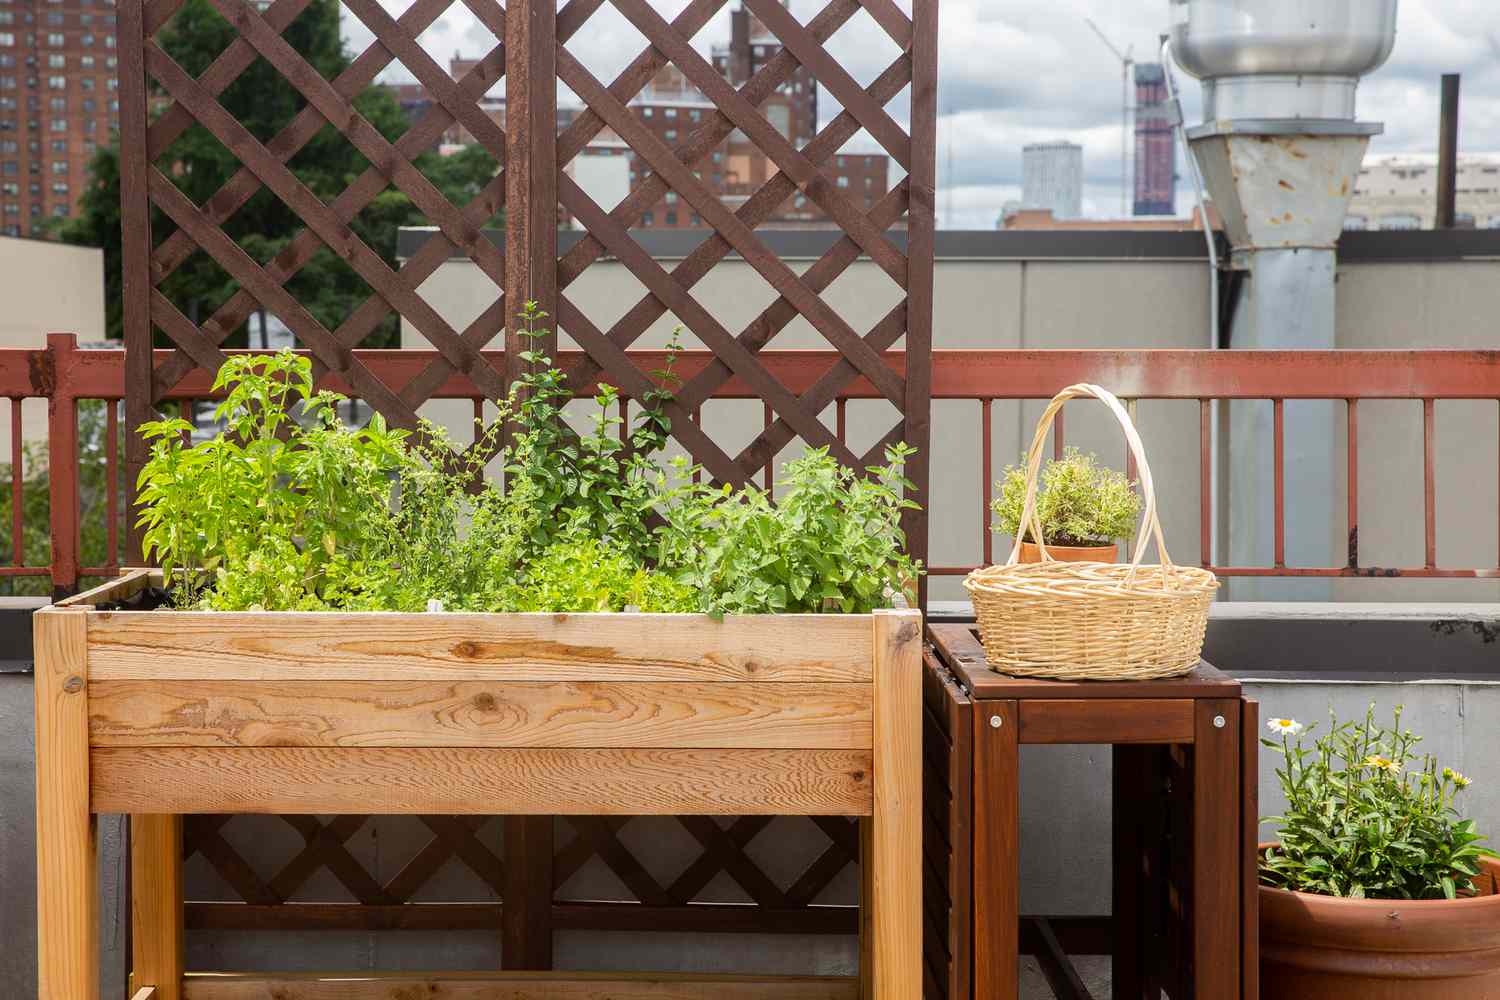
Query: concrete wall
[[46, 287]]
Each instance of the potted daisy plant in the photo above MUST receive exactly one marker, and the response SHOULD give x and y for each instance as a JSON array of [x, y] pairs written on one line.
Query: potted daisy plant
[[1377, 887], [1084, 509]]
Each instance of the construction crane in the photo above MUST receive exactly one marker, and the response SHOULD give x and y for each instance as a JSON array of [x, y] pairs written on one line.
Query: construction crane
[[1125, 63]]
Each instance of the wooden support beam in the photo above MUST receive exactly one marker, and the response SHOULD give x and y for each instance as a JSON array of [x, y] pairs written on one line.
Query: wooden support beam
[[156, 894], [516, 986], [66, 832], [892, 873]]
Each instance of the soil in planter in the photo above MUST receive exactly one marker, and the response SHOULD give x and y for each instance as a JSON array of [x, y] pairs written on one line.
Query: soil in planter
[[149, 599]]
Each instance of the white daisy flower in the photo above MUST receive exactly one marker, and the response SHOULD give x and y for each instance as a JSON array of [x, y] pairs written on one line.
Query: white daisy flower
[[1285, 727]]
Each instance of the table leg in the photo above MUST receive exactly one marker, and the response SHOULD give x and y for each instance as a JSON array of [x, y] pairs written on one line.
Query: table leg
[[1132, 801], [1217, 838], [997, 843], [156, 904]]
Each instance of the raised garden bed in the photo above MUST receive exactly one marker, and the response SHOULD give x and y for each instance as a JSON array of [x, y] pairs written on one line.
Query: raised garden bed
[[158, 714]]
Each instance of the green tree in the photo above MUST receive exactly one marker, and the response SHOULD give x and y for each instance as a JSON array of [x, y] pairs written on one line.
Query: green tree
[[264, 102]]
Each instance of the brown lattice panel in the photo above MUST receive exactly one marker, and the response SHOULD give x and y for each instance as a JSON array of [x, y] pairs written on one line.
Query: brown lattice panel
[[531, 55]]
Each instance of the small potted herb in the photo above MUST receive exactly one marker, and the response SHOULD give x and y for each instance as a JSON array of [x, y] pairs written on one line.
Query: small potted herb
[[1377, 886], [1084, 509]]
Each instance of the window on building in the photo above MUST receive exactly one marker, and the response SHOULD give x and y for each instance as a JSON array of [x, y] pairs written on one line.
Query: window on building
[[6, 17], [7, 83], [54, 20], [109, 61], [112, 84], [56, 39], [670, 112], [59, 187], [696, 115], [671, 218], [88, 105], [7, 145], [10, 187], [86, 39], [11, 208], [671, 197], [56, 61], [60, 167], [695, 220], [114, 105], [843, 181], [59, 125], [670, 134], [61, 211], [90, 146], [87, 62], [646, 112], [58, 104], [87, 82], [647, 219], [7, 39], [88, 125], [109, 41], [7, 60]]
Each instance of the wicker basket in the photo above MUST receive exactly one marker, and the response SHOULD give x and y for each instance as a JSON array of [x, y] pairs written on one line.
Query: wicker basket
[[1091, 620]]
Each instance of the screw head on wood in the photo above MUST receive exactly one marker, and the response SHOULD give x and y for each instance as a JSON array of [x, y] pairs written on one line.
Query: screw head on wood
[[73, 684], [996, 722], [1219, 722]]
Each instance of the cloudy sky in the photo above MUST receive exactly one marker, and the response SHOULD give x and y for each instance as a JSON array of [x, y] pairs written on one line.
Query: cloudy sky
[[1019, 71]]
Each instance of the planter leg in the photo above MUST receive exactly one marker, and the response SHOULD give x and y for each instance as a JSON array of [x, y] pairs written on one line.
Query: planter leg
[[66, 832], [156, 904], [892, 866]]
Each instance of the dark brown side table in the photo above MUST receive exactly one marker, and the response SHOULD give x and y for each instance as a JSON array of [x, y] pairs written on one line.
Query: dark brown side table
[[1184, 816]]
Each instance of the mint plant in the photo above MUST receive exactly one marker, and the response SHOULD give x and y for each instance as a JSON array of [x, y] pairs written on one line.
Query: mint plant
[[833, 542]]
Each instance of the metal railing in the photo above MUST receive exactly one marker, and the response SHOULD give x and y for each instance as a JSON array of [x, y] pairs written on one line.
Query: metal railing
[[66, 376]]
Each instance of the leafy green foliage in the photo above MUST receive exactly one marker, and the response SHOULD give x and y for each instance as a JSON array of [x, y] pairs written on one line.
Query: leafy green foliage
[[833, 541], [1368, 817], [264, 102], [93, 495], [595, 483], [1079, 501], [274, 511], [288, 508]]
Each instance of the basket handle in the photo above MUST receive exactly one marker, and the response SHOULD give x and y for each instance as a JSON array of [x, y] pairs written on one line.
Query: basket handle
[[1030, 517]]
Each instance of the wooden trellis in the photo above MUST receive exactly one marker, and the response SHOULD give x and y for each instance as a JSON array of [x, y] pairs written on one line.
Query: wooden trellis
[[533, 182]]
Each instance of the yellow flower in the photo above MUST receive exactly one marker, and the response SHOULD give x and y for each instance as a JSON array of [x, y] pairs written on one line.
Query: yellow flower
[[1285, 727], [1382, 763], [1459, 780]]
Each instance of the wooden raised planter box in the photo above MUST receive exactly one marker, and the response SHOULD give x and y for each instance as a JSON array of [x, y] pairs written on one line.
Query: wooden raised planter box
[[161, 713]]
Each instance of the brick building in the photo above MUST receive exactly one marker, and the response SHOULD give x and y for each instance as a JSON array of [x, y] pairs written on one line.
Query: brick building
[[58, 103], [672, 108]]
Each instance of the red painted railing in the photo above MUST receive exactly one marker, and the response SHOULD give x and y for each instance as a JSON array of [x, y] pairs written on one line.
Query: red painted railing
[[65, 376]]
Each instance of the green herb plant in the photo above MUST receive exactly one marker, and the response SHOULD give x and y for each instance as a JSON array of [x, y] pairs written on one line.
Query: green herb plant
[[1367, 816], [831, 542], [1079, 502], [275, 510], [290, 509]]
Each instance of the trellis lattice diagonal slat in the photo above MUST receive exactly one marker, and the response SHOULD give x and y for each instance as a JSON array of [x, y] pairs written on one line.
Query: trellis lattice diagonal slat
[[536, 159]]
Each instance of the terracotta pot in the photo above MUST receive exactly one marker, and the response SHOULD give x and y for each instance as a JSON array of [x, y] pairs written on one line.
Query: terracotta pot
[[1381, 949], [1070, 553]]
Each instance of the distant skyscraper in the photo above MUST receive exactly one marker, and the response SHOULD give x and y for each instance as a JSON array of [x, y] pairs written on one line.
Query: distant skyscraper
[[1155, 153], [1052, 178]]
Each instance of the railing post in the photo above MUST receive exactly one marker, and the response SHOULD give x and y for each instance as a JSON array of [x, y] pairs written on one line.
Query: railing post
[[62, 464]]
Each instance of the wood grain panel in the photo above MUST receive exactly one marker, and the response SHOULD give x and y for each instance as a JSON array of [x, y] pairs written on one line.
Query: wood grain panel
[[156, 895], [309, 713], [516, 986], [125, 585], [1125, 720], [481, 781], [67, 908], [282, 646], [893, 867]]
